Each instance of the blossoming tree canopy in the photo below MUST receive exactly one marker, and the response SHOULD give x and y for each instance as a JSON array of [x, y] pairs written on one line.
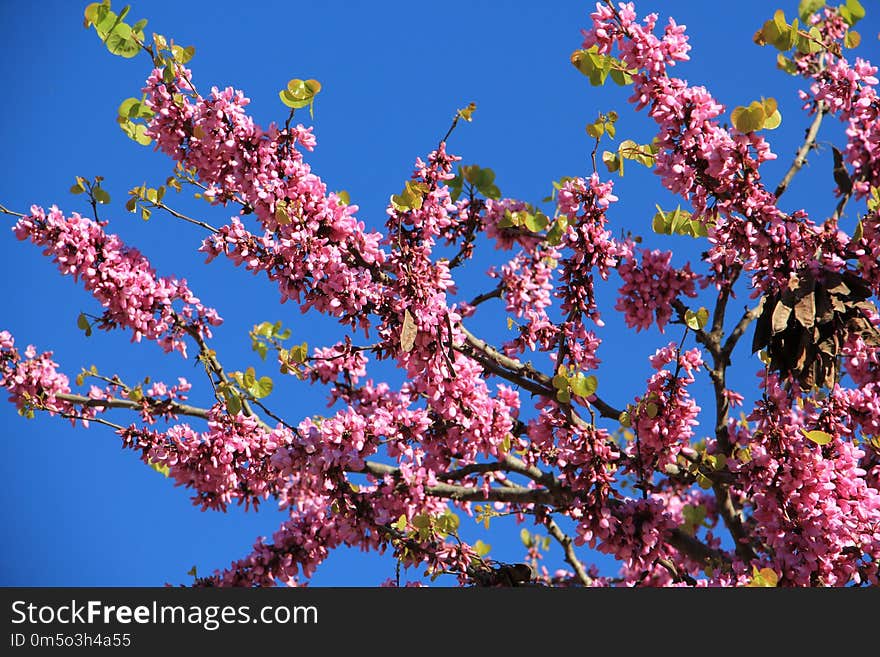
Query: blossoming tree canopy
[[786, 494]]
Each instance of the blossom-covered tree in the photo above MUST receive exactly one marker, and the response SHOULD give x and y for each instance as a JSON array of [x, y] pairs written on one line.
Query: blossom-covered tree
[[788, 494]]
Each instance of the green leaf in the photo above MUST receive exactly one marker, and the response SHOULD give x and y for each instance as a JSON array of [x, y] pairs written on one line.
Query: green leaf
[[660, 225], [281, 215], [858, 232], [482, 549], [299, 353], [120, 42], [300, 93], [748, 119], [810, 44], [183, 55], [874, 200], [162, 469], [818, 437], [128, 108], [807, 8], [764, 578], [536, 222], [467, 113], [146, 213], [77, 189], [421, 521], [852, 39], [696, 320], [785, 64], [856, 9], [233, 403], [343, 197], [651, 410], [261, 387], [82, 323], [557, 230], [526, 537], [491, 191], [584, 386], [101, 195], [613, 162], [596, 129], [560, 382], [621, 77], [93, 13], [773, 121], [852, 12], [401, 523]]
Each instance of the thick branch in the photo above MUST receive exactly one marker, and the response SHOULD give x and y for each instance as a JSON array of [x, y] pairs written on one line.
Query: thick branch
[[509, 494], [748, 317], [733, 521]]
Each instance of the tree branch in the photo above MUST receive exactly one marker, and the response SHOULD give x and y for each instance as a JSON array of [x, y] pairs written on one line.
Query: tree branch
[[522, 374], [567, 545], [703, 338], [6, 210], [170, 407], [175, 213], [485, 296], [801, 156], [748, 317]]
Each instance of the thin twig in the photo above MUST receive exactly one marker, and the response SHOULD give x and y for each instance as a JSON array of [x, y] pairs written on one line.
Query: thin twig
[[801, 156], [567, 545], [5, 210]]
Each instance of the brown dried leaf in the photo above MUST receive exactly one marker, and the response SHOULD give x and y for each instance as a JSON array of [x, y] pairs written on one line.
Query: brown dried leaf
[[408, 332], [824, 311], [805, 310], [779, 319], [762, 329]]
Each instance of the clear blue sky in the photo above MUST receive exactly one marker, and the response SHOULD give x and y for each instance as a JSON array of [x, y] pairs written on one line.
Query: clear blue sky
[[77, 509]]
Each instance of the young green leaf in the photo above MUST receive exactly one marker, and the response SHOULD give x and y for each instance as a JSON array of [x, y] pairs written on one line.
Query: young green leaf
[[818, 437], [82, 323]]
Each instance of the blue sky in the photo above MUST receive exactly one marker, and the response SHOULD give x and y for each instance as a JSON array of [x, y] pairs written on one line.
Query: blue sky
[[78, 510]]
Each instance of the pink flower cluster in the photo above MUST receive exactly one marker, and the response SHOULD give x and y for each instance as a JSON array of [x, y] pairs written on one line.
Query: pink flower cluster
[[120, 278], [584, 203], [813, 510], [228, 462], [849, 90], [314, 248], [650, 287], [664, 417], [715, 170], [527, 285], [34, 381]]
